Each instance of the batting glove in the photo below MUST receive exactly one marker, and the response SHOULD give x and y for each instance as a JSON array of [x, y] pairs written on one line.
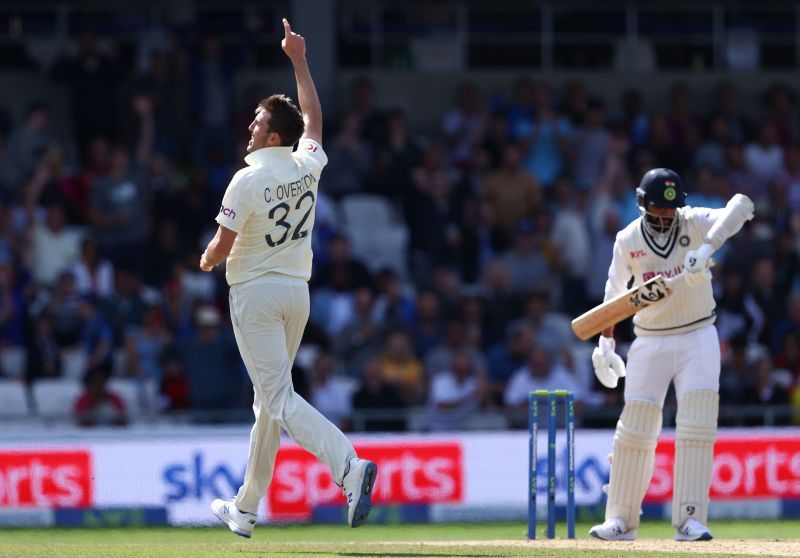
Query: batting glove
[[608, 365], [697, 260]]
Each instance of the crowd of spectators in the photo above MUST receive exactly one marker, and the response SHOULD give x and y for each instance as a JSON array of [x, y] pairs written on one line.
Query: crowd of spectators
[[508, 216]]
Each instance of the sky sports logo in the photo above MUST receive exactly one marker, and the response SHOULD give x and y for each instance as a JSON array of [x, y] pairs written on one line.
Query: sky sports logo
[[407, 473], [200, 479], [46, 479]]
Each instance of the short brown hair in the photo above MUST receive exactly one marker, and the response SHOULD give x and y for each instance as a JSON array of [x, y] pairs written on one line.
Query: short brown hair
[[285, 119]]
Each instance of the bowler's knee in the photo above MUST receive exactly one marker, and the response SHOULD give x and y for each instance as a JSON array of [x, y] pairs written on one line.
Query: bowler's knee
[[277, 401]]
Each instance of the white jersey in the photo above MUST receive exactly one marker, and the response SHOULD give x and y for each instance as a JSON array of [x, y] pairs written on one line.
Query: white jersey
[[637, 254], [270, 204]]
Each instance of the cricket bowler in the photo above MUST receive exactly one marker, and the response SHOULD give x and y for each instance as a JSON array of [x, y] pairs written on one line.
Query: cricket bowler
[[265, 226]]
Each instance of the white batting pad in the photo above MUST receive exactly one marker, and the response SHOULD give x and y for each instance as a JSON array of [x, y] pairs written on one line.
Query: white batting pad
[[695, 434], [634, 455]]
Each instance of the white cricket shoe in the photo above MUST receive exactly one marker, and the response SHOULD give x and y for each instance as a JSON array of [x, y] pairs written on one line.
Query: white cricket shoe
[[613, 530], [357, 487], [693, 530], [241, 523]]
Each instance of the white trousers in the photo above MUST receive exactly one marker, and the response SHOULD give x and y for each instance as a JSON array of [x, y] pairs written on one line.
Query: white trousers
[[269, 315], [691, 360]]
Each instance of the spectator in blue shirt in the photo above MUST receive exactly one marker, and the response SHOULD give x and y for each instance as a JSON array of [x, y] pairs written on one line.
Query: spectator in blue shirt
[[506, 358], [212, 363]]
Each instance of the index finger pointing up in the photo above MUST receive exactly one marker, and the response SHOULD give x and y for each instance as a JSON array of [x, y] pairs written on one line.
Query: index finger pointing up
[[287, 29]]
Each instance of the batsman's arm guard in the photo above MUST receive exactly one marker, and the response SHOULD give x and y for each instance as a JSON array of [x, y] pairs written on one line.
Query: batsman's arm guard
[[738, 210]]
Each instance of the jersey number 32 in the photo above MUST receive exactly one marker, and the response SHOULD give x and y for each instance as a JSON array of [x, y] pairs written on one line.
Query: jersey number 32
[[281, 211]]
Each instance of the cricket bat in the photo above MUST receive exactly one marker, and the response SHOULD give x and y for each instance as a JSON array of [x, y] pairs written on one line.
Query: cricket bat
[[622, 306], [613, 311]]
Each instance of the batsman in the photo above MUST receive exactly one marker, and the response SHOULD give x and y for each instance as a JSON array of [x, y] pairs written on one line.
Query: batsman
[[676, 341]]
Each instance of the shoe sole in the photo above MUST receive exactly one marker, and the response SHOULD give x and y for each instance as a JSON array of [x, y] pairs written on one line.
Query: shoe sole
[[625, 537], [364, 503], [231, 527], [704, 537]]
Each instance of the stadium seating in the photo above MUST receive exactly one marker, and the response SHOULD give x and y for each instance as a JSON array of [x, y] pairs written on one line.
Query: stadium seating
[[55, 397], [13, 361], [486, 421], [131, 393], [73, 363], [376, 234], [139, 396], [364, 211], [13, 399]]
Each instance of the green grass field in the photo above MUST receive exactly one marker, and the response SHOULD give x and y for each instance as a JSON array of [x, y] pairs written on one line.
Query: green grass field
[[317, 541]]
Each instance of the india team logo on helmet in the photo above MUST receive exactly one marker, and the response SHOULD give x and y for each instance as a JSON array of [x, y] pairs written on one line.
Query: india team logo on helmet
[[669, 190], [660, 188]]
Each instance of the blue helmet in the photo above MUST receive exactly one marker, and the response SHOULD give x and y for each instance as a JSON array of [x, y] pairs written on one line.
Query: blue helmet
[[660, 188]]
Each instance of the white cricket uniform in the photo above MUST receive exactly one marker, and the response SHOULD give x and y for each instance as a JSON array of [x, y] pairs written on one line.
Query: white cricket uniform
[[270, 204], [676, 340]]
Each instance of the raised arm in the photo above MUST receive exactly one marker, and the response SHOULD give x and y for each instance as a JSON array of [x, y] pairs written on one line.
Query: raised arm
[[294, 46], [726, 223]]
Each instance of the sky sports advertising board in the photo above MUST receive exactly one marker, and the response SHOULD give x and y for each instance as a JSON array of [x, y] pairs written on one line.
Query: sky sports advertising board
[[454, 477]]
